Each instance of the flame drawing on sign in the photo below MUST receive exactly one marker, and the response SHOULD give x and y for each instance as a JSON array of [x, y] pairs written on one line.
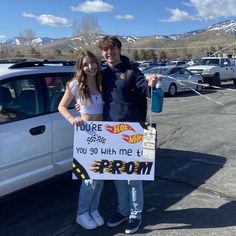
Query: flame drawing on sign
[[116, 129], [133, 138]]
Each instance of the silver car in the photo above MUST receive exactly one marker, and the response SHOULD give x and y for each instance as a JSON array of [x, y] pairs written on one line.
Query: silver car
[[176, 79], [35, 140]]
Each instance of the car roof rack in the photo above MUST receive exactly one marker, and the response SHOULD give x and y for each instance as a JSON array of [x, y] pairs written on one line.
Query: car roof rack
[[15, 60], [41, 63]]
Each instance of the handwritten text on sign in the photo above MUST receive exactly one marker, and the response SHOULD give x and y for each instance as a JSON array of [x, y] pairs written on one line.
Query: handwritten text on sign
[[114, 150]]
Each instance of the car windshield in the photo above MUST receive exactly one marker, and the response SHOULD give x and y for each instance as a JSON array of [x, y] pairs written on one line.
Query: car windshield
[[157, 70], [209, 61]]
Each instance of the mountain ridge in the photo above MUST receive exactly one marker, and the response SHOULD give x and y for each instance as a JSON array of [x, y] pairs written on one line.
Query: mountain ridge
[[228, 26]]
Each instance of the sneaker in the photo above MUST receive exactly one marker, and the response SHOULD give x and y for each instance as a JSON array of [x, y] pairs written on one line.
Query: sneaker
[[97, 218], [116, 220], [86, 221], [132, 226]]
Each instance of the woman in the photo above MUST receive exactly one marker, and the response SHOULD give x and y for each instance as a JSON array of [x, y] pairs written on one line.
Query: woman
[[85, 88]]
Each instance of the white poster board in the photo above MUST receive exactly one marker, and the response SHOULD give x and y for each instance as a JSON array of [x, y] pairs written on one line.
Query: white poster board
[[114, 150]]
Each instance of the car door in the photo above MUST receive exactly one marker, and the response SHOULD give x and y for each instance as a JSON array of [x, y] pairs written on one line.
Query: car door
[[186, 79], [62, 130], [227, 68], [25, 134], [178, 77]]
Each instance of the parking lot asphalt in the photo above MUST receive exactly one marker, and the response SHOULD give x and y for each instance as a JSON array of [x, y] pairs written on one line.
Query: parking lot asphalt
[[194, 192]]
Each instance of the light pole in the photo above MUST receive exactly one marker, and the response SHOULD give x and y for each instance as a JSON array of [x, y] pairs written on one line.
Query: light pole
[[233, 31]]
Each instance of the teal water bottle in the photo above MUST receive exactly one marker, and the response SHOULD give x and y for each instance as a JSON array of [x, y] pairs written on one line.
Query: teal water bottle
[[157, 98]]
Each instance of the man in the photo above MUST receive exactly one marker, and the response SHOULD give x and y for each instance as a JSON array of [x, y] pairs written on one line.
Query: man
[[124, 100]]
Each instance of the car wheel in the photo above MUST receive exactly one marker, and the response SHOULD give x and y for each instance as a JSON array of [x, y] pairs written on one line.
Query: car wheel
[[216, 81], [172, 90], [199, 86], [234, 81]]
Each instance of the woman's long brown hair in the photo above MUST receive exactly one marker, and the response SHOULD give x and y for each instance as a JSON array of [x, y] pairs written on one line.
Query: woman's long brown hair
[[81, 77]]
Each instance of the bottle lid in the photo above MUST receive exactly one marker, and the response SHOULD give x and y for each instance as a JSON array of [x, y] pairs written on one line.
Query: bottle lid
[[158, 85]]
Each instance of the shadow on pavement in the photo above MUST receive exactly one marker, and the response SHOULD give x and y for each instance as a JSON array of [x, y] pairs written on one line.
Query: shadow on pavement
[[197, 218], [51, 210], [178, 173]]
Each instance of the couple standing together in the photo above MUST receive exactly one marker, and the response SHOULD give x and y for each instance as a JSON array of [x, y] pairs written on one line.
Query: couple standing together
[[107, 95]]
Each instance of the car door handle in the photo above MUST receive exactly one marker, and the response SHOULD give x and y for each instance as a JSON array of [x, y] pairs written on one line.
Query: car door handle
[[37, 130]]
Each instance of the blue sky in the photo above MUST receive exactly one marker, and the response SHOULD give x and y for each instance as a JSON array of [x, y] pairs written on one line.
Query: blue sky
[[54, 18]]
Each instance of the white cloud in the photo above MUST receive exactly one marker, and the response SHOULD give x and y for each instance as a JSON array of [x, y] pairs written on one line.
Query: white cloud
[[30, 15], [211, 9], [124, 17], [93, 6], [53, 20], [2, 38], [203, 10], [178, 15], [50, 20]]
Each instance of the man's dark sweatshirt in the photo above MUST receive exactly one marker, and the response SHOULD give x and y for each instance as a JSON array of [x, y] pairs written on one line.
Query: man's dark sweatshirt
[[124, 99]]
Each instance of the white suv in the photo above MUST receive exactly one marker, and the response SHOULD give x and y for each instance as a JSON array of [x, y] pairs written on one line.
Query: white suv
[[35, 140]]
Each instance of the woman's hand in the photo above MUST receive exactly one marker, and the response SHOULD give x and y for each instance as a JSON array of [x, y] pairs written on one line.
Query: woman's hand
[[77, 107], [75, 120]]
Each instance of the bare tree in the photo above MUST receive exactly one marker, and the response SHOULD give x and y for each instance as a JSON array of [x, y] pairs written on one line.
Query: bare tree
[[26, 38], [163, 55], [151, 54], [135, 55], [87, 30]]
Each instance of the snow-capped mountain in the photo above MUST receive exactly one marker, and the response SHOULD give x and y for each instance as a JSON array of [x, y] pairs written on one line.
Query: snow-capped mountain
[[41, 41], [35, 41], [228, 26]]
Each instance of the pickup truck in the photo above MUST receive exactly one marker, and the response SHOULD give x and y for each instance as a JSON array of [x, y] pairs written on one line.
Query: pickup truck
[[214, 70]]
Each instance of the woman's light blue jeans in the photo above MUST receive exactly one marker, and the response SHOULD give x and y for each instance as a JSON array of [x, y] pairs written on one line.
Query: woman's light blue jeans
[[130, 197], [89, 195]]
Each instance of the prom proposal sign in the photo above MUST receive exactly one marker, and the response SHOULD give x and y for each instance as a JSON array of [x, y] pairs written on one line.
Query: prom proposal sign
[[114, 150]]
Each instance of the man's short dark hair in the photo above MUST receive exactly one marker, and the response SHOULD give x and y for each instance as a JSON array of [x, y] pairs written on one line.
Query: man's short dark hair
[[109, 41]]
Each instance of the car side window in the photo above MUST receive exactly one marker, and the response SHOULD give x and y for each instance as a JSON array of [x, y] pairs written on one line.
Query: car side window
[[18, 100], [180, 63], [222, 62], [174, 71], [181, 72], [185, 72], [56, 86], [24, 97], [227, 62]]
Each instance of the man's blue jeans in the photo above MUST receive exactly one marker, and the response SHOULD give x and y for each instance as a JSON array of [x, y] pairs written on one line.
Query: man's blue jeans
[[130, 197]]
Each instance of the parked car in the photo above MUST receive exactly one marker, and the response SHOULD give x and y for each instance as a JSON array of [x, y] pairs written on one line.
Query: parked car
[[145, 65], [179, 63], [36, 141], [176, 79], [215, 70]]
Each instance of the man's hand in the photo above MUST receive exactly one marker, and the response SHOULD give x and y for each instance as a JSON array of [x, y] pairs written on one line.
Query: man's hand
[[152, 79]]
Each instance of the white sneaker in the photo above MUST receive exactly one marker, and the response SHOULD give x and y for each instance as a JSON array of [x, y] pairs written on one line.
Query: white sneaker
[[86, 221], [97, 218]]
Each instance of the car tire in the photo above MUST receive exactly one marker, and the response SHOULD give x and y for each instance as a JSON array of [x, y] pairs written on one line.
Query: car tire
[[172, 90], [216, 81], [234, 82], [199, 86]]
